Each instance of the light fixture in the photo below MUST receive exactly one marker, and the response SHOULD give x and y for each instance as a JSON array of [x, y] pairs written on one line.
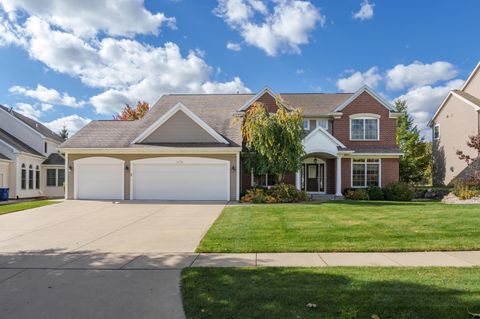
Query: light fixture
[[70, 168], [233, 168], [126, 167], [315, 160]]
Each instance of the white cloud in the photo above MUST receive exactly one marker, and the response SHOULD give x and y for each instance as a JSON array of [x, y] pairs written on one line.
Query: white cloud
[[419, 74], [423, 101], [355, 81], [46, 95], [72, 122], [365, 12], [46, 107], [234, 46], [87, 18], [281, 31], [28, 110]]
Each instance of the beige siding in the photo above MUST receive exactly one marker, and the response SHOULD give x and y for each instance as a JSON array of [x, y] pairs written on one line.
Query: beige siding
[[130, 157], [50, 191], [457, 121], [180, 129], [4, 174], [473, 87]]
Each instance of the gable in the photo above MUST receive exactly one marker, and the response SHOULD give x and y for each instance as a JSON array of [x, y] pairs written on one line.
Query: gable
[[472, 85], [365, 90], [320, 141], [265, 96]]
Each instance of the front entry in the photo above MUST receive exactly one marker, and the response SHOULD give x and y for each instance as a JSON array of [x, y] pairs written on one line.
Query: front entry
[[313, 177]]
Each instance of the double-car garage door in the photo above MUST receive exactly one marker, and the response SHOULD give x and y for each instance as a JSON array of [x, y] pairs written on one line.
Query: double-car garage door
[[159, 178]]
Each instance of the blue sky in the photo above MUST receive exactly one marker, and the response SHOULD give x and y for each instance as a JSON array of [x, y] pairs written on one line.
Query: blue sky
[[66, 62]]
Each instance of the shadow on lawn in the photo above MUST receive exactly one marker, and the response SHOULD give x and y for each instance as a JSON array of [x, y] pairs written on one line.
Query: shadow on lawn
[[336, 292]]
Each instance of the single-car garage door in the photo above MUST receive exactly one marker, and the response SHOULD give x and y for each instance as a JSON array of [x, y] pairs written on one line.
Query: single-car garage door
[[180, 178], [99, 178]]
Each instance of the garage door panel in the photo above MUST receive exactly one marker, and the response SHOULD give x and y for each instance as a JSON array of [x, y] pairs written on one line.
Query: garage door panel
[[102, 180]]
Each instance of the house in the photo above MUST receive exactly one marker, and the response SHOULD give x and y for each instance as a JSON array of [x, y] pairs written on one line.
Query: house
[[188, 147], [457, 117], [30, 165]]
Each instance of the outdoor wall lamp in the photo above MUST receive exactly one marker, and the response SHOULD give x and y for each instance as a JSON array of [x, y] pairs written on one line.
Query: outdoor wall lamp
[[233, 168], [315, 160], [70, 168], [126, 167]]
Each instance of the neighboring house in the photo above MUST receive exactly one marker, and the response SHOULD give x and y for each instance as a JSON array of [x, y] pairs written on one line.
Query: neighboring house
[[456, 119], [29, 161], [188, 148]]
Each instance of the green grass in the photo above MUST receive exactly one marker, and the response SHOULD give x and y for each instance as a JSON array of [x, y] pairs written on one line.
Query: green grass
[[15, 207], [345, 226], [396, 293]]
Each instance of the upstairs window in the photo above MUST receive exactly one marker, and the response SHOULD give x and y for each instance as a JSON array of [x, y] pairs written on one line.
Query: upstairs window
[[45, 146], [364, 129], [436, 131], [306, 125], [323, 123]]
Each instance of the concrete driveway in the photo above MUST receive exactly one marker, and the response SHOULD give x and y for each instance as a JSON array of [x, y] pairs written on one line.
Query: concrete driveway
[[93, 259]]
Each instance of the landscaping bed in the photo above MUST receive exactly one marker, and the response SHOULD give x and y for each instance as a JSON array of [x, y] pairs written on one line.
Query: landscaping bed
[[15, 207], [344, 226], [327, 293]]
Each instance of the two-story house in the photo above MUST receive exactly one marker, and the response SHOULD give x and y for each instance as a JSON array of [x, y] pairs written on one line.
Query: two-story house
[[188, 148], [30, 165], [457, 118]]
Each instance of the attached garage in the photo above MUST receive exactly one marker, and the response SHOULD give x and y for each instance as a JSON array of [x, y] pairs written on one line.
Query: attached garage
[[99, 178], [180, 178]]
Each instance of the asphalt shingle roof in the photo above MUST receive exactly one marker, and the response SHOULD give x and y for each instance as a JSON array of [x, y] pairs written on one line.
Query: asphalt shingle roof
[[469, 97], [4, 157], [16, 143], [54, 159]]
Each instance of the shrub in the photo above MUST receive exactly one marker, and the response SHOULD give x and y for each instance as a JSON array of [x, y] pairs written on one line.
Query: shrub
[[399, 191], [280, 193], [375, 193], [464, 189], [356, 194]]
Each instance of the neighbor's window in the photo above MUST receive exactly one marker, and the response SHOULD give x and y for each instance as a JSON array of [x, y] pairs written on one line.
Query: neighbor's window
[[24, 177], [436, 131], [364, 129], [30, 177], [365, 172], [323, 123], [306, 125], [264, 180], [45, 146], [37, 177], [51, 177]]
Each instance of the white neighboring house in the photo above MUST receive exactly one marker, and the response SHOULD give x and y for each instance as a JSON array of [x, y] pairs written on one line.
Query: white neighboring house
[[30, 164]]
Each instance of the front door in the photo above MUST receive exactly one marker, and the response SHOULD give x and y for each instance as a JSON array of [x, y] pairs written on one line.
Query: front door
[[314, 178]]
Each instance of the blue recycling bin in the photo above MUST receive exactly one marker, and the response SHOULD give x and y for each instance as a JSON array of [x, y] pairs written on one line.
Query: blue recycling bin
[[4, 194]]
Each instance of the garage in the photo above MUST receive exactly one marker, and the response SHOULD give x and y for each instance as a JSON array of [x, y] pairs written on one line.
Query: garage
[[99, 178], [180, 178]]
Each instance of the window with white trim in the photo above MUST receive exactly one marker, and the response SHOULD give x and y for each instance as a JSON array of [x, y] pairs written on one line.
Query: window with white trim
[[30, 177], [264, 180], [323, 123], [436, 131], [364, 128], [306, 125], [365, 172], [37, 177], [24, 177]]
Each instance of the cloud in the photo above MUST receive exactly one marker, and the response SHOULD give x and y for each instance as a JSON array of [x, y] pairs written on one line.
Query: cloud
[[72, 122], [355, 81], [46, 95], [234, 46], [89, 17], [418, 74], [365, 12], [28, 110], [282, 30]]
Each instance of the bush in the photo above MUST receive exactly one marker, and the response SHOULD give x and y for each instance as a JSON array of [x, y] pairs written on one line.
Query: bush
[[399, 192], [464, 189], [280, 193], [375, 193], [356, 194]]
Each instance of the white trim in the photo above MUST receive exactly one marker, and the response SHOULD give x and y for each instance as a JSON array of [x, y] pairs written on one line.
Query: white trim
[[24, 124], [330, 136], [367, 89], [266, 89], [318, 167], [308, 124], [470, 77], [237, 195], [153, 150], [376, 155], [66, 176], [475, 106], [338, 176], [365, 118], [165, 117], [365, 164], [439, 133]]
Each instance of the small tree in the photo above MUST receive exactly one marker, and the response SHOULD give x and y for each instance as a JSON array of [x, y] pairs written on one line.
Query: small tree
[[133, 113], [63, 133], [473, 162], [415, 164], [273, 141]]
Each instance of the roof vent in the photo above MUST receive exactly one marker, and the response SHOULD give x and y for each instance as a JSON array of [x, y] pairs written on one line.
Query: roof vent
[[36, 125]]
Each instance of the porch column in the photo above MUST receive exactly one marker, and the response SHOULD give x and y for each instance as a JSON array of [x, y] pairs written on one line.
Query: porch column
[[297, 180], [338, 182]]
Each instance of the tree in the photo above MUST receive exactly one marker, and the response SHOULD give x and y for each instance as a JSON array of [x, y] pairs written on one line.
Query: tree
[[472, 161], [415, 164], [133, 113], [63, 133], [273, 141]]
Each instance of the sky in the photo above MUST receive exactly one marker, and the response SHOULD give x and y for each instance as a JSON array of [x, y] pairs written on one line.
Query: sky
[[67, 62]]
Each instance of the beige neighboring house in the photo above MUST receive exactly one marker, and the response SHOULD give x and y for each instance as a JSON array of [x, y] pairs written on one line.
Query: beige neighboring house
[[30, 165], [456, 119]]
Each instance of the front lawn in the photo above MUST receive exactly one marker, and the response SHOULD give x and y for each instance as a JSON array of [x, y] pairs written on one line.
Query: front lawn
[[15, 207], [345, 226], [364, 293]]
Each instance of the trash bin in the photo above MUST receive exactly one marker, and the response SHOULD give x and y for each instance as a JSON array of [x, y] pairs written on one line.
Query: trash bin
[[4, 194]]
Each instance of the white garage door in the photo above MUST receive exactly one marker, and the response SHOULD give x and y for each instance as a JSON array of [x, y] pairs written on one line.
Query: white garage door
[[99, 178], [180, 178]]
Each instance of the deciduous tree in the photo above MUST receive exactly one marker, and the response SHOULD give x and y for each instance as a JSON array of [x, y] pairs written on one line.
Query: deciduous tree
[[133, 113]]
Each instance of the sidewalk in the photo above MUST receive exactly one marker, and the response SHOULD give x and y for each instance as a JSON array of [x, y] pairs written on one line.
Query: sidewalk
[[151, 261]]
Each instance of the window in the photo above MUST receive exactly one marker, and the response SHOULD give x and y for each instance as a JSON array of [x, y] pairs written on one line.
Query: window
[[37, 177], [1, 180], [364, 129], [45, 146], [264, 180], [51, 177], [365, 172], [61, 177], [24, 177], [306, 125], [323, 123], [436, 131], [30, 177]]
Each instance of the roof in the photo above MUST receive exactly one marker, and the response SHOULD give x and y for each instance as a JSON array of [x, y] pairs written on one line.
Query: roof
[[17, 144], [468, 97], [54, 159], [3, 157], [37, 126], [376, 149]]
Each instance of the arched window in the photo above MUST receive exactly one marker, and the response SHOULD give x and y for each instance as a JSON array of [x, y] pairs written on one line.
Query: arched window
[[37, 177], [30, 177], [24, 177]]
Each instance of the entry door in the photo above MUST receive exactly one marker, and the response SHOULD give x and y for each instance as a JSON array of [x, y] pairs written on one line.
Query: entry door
[[314, 179]]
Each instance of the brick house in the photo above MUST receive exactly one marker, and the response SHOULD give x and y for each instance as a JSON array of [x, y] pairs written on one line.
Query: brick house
[[188, 148]]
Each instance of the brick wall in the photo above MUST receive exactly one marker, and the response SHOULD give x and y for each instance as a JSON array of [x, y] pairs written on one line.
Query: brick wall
[[269, 102], [330, 173], [390, 171], [346, 173]]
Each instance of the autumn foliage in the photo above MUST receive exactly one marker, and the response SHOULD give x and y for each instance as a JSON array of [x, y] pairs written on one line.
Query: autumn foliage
[[133, 113]]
